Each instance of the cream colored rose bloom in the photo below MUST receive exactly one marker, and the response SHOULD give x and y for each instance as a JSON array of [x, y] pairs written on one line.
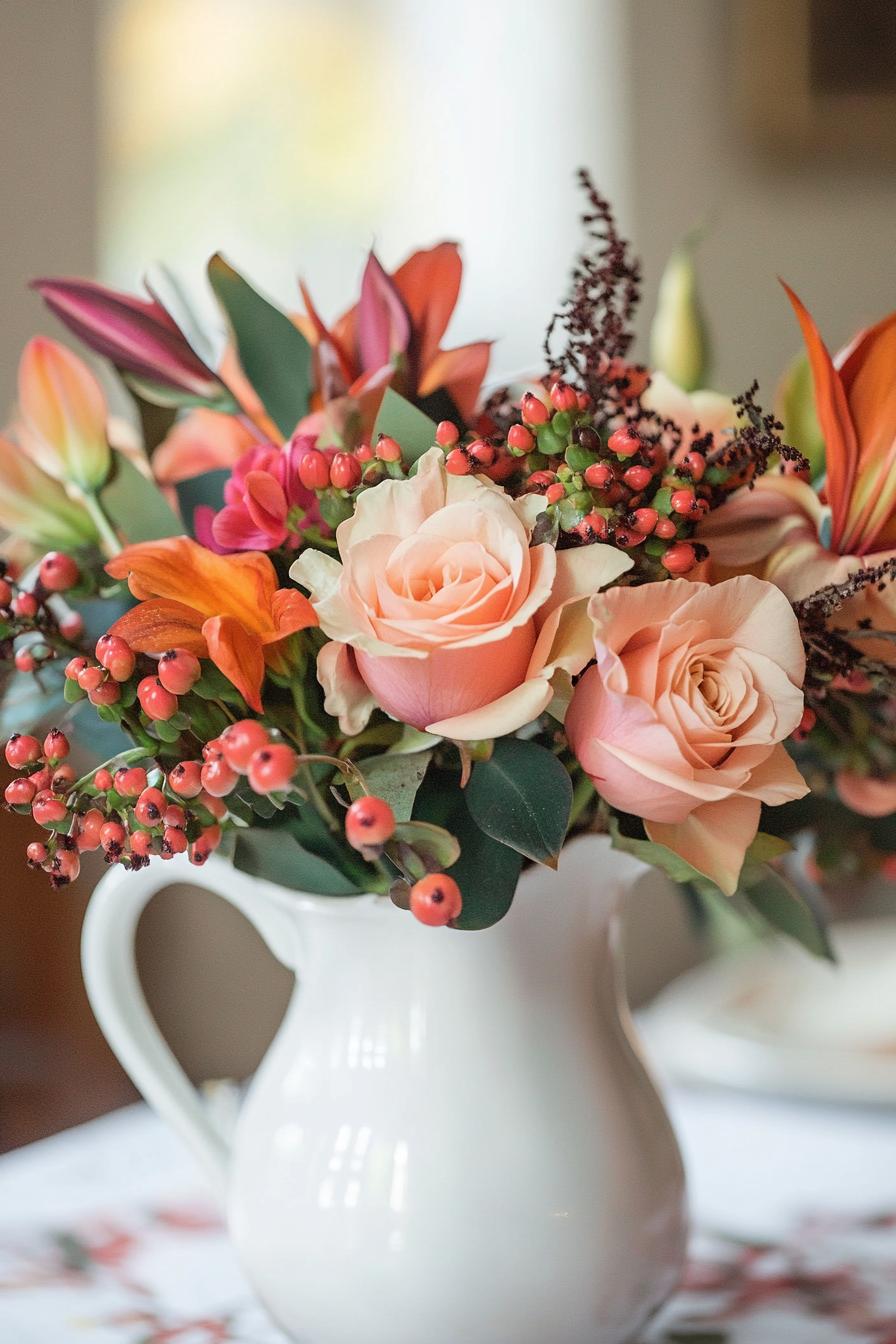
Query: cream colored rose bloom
[[442, 614]]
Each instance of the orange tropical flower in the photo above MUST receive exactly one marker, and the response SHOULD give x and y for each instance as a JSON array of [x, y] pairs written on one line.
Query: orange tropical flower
[[63, 415], [224, 607]]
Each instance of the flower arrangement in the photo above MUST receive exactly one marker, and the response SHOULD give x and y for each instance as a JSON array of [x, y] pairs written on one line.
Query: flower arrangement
[[370, 630]]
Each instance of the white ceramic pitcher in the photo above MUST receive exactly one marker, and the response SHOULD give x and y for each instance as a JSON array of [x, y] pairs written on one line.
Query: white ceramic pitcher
[[452, 1139]]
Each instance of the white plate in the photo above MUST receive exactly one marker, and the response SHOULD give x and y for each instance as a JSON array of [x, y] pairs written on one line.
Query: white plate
[[773, 1019]]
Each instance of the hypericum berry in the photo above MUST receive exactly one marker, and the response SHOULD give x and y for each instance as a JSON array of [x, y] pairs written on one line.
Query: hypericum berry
[[25, 605], [36, 854], [520, 439], [564, 397], [364, 453], [645, 520], [19, 792], [5, 593], [63, 778], [533, 410], [271, 769], [58, 572], [213, 749], [107, 693], [116, 656], [626, 538], [555, 493], [175, 815], [805, 725], [679, 558], [694, 464], [241, 740], [447, 433], [64, 867], [47, 809], [387, 449], [593, 527], [624, 442], [42, 778], [150, 807], [130, 781], [179, 670], [22, 749], [141, 843], [74, 667], [457, 463], [314, 470], [683, 501], [369, 823], [345, 471], [90, 827], [174, 841], [155, 700], [483, 453], [666, 529], [185, 779], [436, 899], [208, 842], [599, 475], [113, 838], [214, 805], [637, 478], [56, 745], [25, 660], [218, 778], [102, 780], [540, 480], [71, 627], [91, 676]]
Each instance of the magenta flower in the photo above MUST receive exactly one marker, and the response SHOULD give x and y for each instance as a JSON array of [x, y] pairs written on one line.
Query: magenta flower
[[139, 336], [266, 505]]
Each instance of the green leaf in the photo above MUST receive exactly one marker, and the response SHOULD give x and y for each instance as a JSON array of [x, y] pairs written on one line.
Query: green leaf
[[274, 853], [203, 491], [175, 398], [788, 911], [136, 505], [274, 354], [657, 856], [522, 797], [486, 872], [437, 848], [395, 779], [400, 419]]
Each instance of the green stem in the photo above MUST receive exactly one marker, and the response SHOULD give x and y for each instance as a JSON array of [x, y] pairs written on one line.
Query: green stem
[[108, 539]]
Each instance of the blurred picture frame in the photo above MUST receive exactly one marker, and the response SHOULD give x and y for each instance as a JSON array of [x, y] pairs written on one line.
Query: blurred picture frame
[[817, 77]]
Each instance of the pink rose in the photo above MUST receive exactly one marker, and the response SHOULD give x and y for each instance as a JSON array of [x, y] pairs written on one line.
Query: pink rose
[[443, 614], [866, 795], [681, 719]]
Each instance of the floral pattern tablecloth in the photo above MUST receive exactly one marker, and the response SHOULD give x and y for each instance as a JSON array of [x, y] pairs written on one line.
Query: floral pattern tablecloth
[[106, 1236]]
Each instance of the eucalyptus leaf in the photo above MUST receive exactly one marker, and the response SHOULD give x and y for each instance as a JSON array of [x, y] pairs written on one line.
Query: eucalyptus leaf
[[136, 505], [402, 421], [436, 847], [395, 779], [522, 797], [274, 854], [788, 911], [274, 354], [203, 491]]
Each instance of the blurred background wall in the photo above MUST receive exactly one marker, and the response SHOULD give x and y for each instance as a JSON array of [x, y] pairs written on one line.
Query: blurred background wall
[[294, 133]]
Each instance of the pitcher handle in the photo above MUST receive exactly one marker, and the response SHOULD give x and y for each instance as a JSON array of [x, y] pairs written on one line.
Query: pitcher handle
[[116, 997]]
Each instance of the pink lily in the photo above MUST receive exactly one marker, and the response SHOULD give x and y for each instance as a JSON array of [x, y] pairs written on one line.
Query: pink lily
[[138, 335], [266, 505]]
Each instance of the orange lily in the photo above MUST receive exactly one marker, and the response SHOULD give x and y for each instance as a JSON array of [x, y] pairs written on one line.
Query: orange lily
[[781, 529], [224, 607], [398, 322], [855, 398]]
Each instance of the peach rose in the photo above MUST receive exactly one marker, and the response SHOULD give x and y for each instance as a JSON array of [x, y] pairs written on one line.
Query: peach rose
[[681, 719], [866, 795], [442, 613]]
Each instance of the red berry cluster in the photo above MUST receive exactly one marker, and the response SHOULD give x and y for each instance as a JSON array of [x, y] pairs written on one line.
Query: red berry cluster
[[619, 485], [32, 633], [435, 899], [243, 749]]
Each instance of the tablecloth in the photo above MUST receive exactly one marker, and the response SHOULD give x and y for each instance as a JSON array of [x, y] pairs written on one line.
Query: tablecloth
[[107, 1236]]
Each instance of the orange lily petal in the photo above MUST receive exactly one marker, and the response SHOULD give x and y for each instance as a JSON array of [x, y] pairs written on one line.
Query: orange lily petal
[[841, 445], [324, 335], [231, 374], [291, 611], [158, 625], [429, 283], [237, 653], [461, 373], [64, 414], [178, 568], [867, 376]]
